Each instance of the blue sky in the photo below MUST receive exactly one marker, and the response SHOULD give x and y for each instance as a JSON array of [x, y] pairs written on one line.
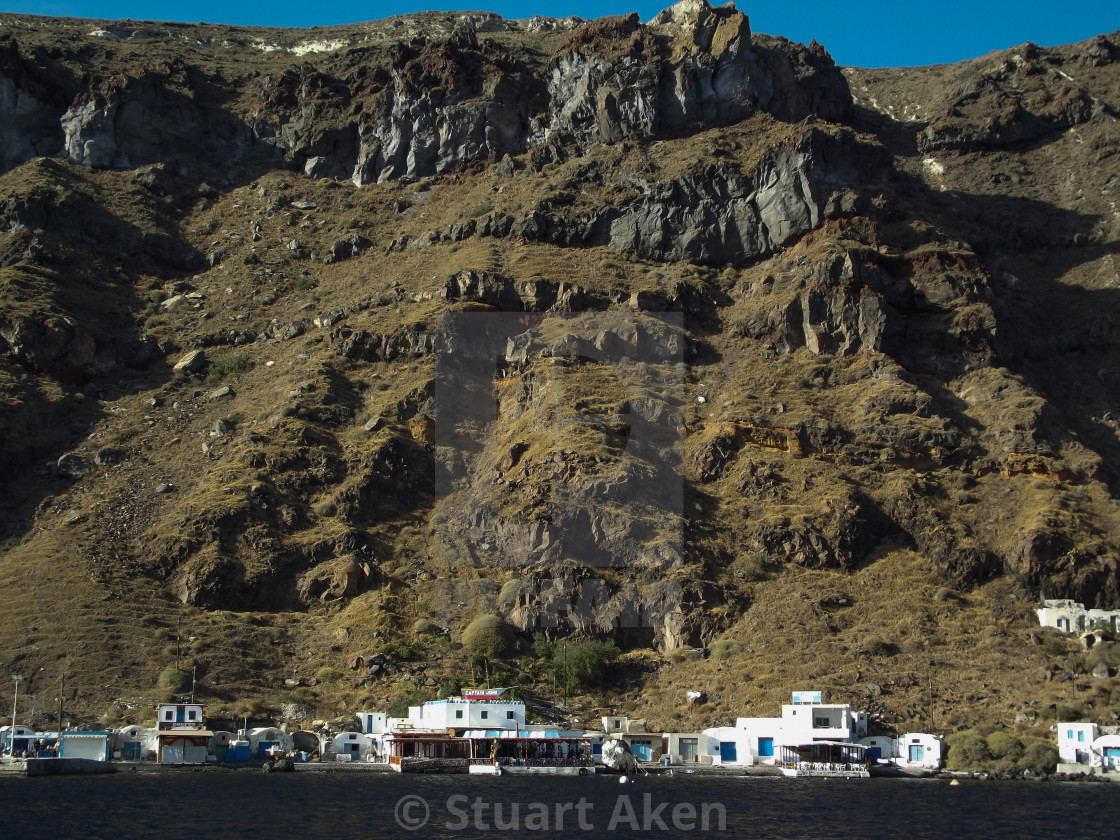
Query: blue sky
[[876, 33]]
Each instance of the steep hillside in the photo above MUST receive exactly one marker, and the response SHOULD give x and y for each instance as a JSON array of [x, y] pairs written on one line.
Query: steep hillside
[[317, 345]]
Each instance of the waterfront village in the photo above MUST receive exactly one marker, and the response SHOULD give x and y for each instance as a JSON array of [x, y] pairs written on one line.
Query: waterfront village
[[485, 731]]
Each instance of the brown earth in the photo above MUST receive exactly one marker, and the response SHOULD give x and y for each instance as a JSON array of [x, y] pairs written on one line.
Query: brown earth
[[778, 374]]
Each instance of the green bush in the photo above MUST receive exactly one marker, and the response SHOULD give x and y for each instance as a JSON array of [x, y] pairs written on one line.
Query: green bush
[[542, 647], [305, 284], [725, 648], [229, 363], [968, 750], [1004, 745], [327, 674], [488, 634], [1040, 757], [174, 680], [449, 688]]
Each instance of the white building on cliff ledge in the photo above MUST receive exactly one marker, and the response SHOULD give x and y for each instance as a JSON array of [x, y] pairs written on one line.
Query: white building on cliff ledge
[[1072, 617]]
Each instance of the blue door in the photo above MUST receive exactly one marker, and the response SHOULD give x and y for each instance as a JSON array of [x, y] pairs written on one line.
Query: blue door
[[874, 753], [917, 753], [765, 747], [643, 750], [727, 751]]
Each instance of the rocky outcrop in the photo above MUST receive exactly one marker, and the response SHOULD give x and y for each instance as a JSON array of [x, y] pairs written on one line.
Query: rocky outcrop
[[56, 344], [29, 106], [693, 65], [148, 119], [719, 215], [431, 104], [1022, 97]]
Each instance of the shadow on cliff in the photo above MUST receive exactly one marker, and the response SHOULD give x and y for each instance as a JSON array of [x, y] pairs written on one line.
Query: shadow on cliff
[[1058, 337], [72, 331]]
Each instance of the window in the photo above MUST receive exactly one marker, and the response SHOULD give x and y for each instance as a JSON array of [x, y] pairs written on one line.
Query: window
[[510, 715], [169, 715], [458, 714], [1081, 735], [1069, 733], [192, 715], [822, 722], [485, 714]]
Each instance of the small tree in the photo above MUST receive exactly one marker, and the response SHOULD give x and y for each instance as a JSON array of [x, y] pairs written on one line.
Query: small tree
[[576, 664]]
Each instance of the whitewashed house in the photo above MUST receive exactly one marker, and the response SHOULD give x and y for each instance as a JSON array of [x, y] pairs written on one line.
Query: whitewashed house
[[803, 721], [266, 738], [729, 745], [881, 748], [179, 716], [373, 723], [686, 748], [1075, 742], [19, 740], [91, 745], [356, 746], [645, 745], [181, 734], [920, 749], [1072, 617], [478, 709], [132, 743], [1106, 753]]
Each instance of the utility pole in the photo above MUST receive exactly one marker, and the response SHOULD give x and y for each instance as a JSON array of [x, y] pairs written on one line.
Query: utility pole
[[178, 634], [12, 735], [61, 691], [194, 679]]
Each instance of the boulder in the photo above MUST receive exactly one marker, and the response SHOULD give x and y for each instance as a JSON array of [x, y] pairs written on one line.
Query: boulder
[[191, 362]]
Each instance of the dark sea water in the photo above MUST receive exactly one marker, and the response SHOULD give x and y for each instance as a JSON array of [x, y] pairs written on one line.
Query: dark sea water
[[316, 806]]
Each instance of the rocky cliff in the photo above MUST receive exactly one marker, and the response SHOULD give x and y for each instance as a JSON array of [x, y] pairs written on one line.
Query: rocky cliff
[[663, 332]]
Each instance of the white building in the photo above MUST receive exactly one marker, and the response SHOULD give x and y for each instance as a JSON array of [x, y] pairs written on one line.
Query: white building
[[729, 745], [179, 716], [356, 746], [266, 738], [920, 749], [1072, 617], [686, 748], [881, 748], [645, 745], [472, 710], [805, 720], [373, 723], [23, 736], [1106, 750], [1075, 742]]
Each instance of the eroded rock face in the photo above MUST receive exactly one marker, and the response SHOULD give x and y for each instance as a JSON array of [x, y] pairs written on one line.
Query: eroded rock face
[[1020, 98], [30, 124], [146, 120], [57, 344], [437, 103]]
